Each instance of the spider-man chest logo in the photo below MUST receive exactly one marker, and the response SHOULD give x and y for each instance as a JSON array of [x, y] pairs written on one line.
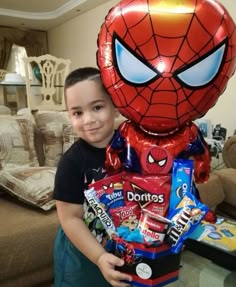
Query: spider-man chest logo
[[133, 150], [165, 63]]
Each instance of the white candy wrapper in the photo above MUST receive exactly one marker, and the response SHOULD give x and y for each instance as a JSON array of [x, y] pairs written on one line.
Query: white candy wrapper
[[100, 211]]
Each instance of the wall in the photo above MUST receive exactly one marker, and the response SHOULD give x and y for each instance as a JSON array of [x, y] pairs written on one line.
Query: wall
[[224, 111], [77, 40]]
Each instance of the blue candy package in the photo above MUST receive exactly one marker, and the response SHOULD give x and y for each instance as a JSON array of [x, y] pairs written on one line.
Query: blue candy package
[[182, 173], [185, 218]]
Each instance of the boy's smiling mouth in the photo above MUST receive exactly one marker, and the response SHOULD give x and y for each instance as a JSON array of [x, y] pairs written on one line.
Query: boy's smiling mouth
[[92, 130]]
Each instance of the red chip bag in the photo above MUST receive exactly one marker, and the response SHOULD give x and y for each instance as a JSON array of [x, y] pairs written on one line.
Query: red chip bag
[[126, 216], [151, 192]]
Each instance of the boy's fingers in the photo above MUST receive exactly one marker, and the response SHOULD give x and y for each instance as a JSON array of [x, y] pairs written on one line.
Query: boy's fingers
[[114, 260], [123, 277], [119, 276]]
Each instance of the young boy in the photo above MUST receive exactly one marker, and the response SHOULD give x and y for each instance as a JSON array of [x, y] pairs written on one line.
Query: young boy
[[80, 259]]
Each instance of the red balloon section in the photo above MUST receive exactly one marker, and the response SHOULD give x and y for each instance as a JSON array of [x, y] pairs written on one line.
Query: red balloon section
[[165, 64]]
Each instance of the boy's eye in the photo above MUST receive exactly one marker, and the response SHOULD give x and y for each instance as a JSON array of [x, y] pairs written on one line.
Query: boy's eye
[[98, 107], [77, 113]]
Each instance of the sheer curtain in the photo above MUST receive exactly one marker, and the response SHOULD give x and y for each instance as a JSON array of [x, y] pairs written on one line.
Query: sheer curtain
[[16, 63]]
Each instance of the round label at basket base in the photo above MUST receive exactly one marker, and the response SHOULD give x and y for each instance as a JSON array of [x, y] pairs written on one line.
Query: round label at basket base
[[144, 271]]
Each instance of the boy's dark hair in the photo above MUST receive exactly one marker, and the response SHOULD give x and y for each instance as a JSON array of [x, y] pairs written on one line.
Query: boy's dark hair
[[81, 74]]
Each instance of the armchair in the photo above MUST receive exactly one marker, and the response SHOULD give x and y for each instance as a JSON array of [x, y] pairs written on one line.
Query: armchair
[[219, 192]]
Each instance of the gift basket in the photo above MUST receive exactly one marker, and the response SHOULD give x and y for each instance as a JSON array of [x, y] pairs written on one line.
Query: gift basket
[[164, 64], [147, 218]]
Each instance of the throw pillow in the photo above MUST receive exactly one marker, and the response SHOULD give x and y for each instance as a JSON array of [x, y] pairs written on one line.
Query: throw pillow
[[38, 139], [50, 125], [69, 136], [32, 185], [16, 142]]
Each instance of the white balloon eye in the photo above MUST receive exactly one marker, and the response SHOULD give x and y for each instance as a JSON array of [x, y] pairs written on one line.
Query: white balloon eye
[[105, 187], [162, 162], [150, 159], [204, 71], [131, 67]]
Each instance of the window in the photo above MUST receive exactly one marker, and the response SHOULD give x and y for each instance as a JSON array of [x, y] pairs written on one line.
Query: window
[[16, 63]]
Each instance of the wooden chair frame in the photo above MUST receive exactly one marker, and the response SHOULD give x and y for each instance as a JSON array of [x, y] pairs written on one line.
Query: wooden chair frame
[[46, 93]]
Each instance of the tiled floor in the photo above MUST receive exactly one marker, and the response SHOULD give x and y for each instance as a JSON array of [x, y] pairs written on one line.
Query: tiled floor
[[197, 271]]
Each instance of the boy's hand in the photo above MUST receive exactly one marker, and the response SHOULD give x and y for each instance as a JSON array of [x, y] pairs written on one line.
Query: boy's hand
[[107, 263]]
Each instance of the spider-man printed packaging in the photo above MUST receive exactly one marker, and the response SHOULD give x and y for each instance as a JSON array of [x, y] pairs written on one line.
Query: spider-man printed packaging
[[109, 191], [148, 266]]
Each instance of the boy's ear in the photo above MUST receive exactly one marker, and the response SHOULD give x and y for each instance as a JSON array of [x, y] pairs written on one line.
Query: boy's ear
[[117, 113]]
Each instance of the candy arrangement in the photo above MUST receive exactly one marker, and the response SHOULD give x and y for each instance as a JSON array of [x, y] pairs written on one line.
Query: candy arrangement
[[144, 209], [145, 215]]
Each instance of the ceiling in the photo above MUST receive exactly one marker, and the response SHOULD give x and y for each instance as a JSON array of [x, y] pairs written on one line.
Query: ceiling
[[42, 14]]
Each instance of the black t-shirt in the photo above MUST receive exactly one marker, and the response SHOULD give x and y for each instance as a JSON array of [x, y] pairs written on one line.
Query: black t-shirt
[[78, 167], [81, 165]]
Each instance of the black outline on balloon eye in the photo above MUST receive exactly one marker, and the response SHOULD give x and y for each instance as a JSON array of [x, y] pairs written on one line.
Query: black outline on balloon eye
[[186, 67], [131, 51]]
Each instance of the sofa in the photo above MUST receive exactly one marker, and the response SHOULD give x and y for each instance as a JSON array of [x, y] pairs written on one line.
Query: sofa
[[30, 148], [219, 192]]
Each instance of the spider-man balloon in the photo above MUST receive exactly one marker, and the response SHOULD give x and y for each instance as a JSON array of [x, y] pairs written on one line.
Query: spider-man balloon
[[165, 63]]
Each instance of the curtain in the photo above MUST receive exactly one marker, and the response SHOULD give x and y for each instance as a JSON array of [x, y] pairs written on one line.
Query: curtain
[[35, 43]]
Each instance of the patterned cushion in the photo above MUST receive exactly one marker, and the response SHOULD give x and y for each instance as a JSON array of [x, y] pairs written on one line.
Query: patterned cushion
[[38, 137], [33, 185], [50, 125], [69, 137], [16, 142]]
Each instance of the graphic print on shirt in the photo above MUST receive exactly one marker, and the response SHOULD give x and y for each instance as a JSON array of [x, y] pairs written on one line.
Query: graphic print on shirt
[[94, 224]]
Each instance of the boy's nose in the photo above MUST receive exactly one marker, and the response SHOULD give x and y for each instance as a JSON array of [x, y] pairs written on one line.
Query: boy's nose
[[88, 118]]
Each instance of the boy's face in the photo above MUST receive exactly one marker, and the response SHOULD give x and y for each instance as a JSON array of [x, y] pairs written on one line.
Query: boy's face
[[91, 112]]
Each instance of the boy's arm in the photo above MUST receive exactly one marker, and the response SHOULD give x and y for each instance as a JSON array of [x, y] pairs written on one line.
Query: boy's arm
[[71, 218]]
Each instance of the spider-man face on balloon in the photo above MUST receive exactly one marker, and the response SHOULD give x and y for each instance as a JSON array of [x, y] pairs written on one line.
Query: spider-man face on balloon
[[165, 63]]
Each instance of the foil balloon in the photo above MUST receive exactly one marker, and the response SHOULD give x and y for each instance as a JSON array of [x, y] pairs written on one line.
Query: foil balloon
[[165, 63]]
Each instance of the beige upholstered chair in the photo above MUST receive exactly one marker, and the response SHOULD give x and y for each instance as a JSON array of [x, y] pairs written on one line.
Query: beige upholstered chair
[[44, 77]]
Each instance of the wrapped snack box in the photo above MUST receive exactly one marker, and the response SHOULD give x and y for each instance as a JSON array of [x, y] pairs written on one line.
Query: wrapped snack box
[[147, 219], [133, 209]]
